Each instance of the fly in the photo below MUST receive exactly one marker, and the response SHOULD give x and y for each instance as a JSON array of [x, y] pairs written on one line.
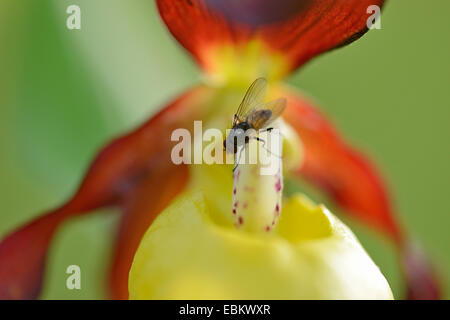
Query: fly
[[254, 114]]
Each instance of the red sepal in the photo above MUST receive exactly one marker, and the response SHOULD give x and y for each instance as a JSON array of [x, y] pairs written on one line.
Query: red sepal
[[299, 30]]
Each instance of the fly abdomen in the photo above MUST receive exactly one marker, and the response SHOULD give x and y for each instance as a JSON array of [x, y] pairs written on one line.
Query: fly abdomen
[[258, 118]]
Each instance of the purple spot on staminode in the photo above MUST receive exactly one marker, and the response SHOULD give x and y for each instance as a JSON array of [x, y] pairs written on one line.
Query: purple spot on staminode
[[234, 191], [278, 185], [234, 211], [241, 220], [237, 174]]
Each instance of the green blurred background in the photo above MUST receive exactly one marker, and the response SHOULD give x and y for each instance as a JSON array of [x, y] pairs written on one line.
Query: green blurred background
[[64, 93]]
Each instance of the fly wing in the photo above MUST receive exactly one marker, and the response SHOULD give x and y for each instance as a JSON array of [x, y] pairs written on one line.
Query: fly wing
[[253, 98], [276, 107], [258, 118]]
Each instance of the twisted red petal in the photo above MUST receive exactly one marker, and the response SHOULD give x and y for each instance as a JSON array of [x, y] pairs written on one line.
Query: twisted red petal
[[22, 257], [422, 281], [297, 29], [340, 170], [134, 166], [147, 200], [352, 181]]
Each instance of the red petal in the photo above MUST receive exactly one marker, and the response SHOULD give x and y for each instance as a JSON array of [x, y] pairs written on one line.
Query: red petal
[[22, 257], [352, 181], [150, 198], [297, 29], [116, 177], [340, 170], [421, 278]]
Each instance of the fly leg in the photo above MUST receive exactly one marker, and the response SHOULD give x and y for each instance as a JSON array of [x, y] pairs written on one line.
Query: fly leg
[[270, 130], [264, 146], [238, 158]]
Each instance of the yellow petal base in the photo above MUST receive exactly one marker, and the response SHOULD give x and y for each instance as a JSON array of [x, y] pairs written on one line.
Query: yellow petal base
[[310, 255]]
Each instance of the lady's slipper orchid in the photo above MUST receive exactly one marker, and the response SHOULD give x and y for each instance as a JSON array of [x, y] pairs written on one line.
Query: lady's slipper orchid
[[234, 43]]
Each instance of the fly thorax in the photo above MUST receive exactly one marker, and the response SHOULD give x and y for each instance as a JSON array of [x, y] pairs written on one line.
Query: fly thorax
[[235, 140]]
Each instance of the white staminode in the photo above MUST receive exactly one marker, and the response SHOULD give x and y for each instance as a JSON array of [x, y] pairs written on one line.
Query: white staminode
[[258, 183]]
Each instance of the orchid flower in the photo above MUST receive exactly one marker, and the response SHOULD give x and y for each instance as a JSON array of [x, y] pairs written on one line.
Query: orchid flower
[[234, 42]]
